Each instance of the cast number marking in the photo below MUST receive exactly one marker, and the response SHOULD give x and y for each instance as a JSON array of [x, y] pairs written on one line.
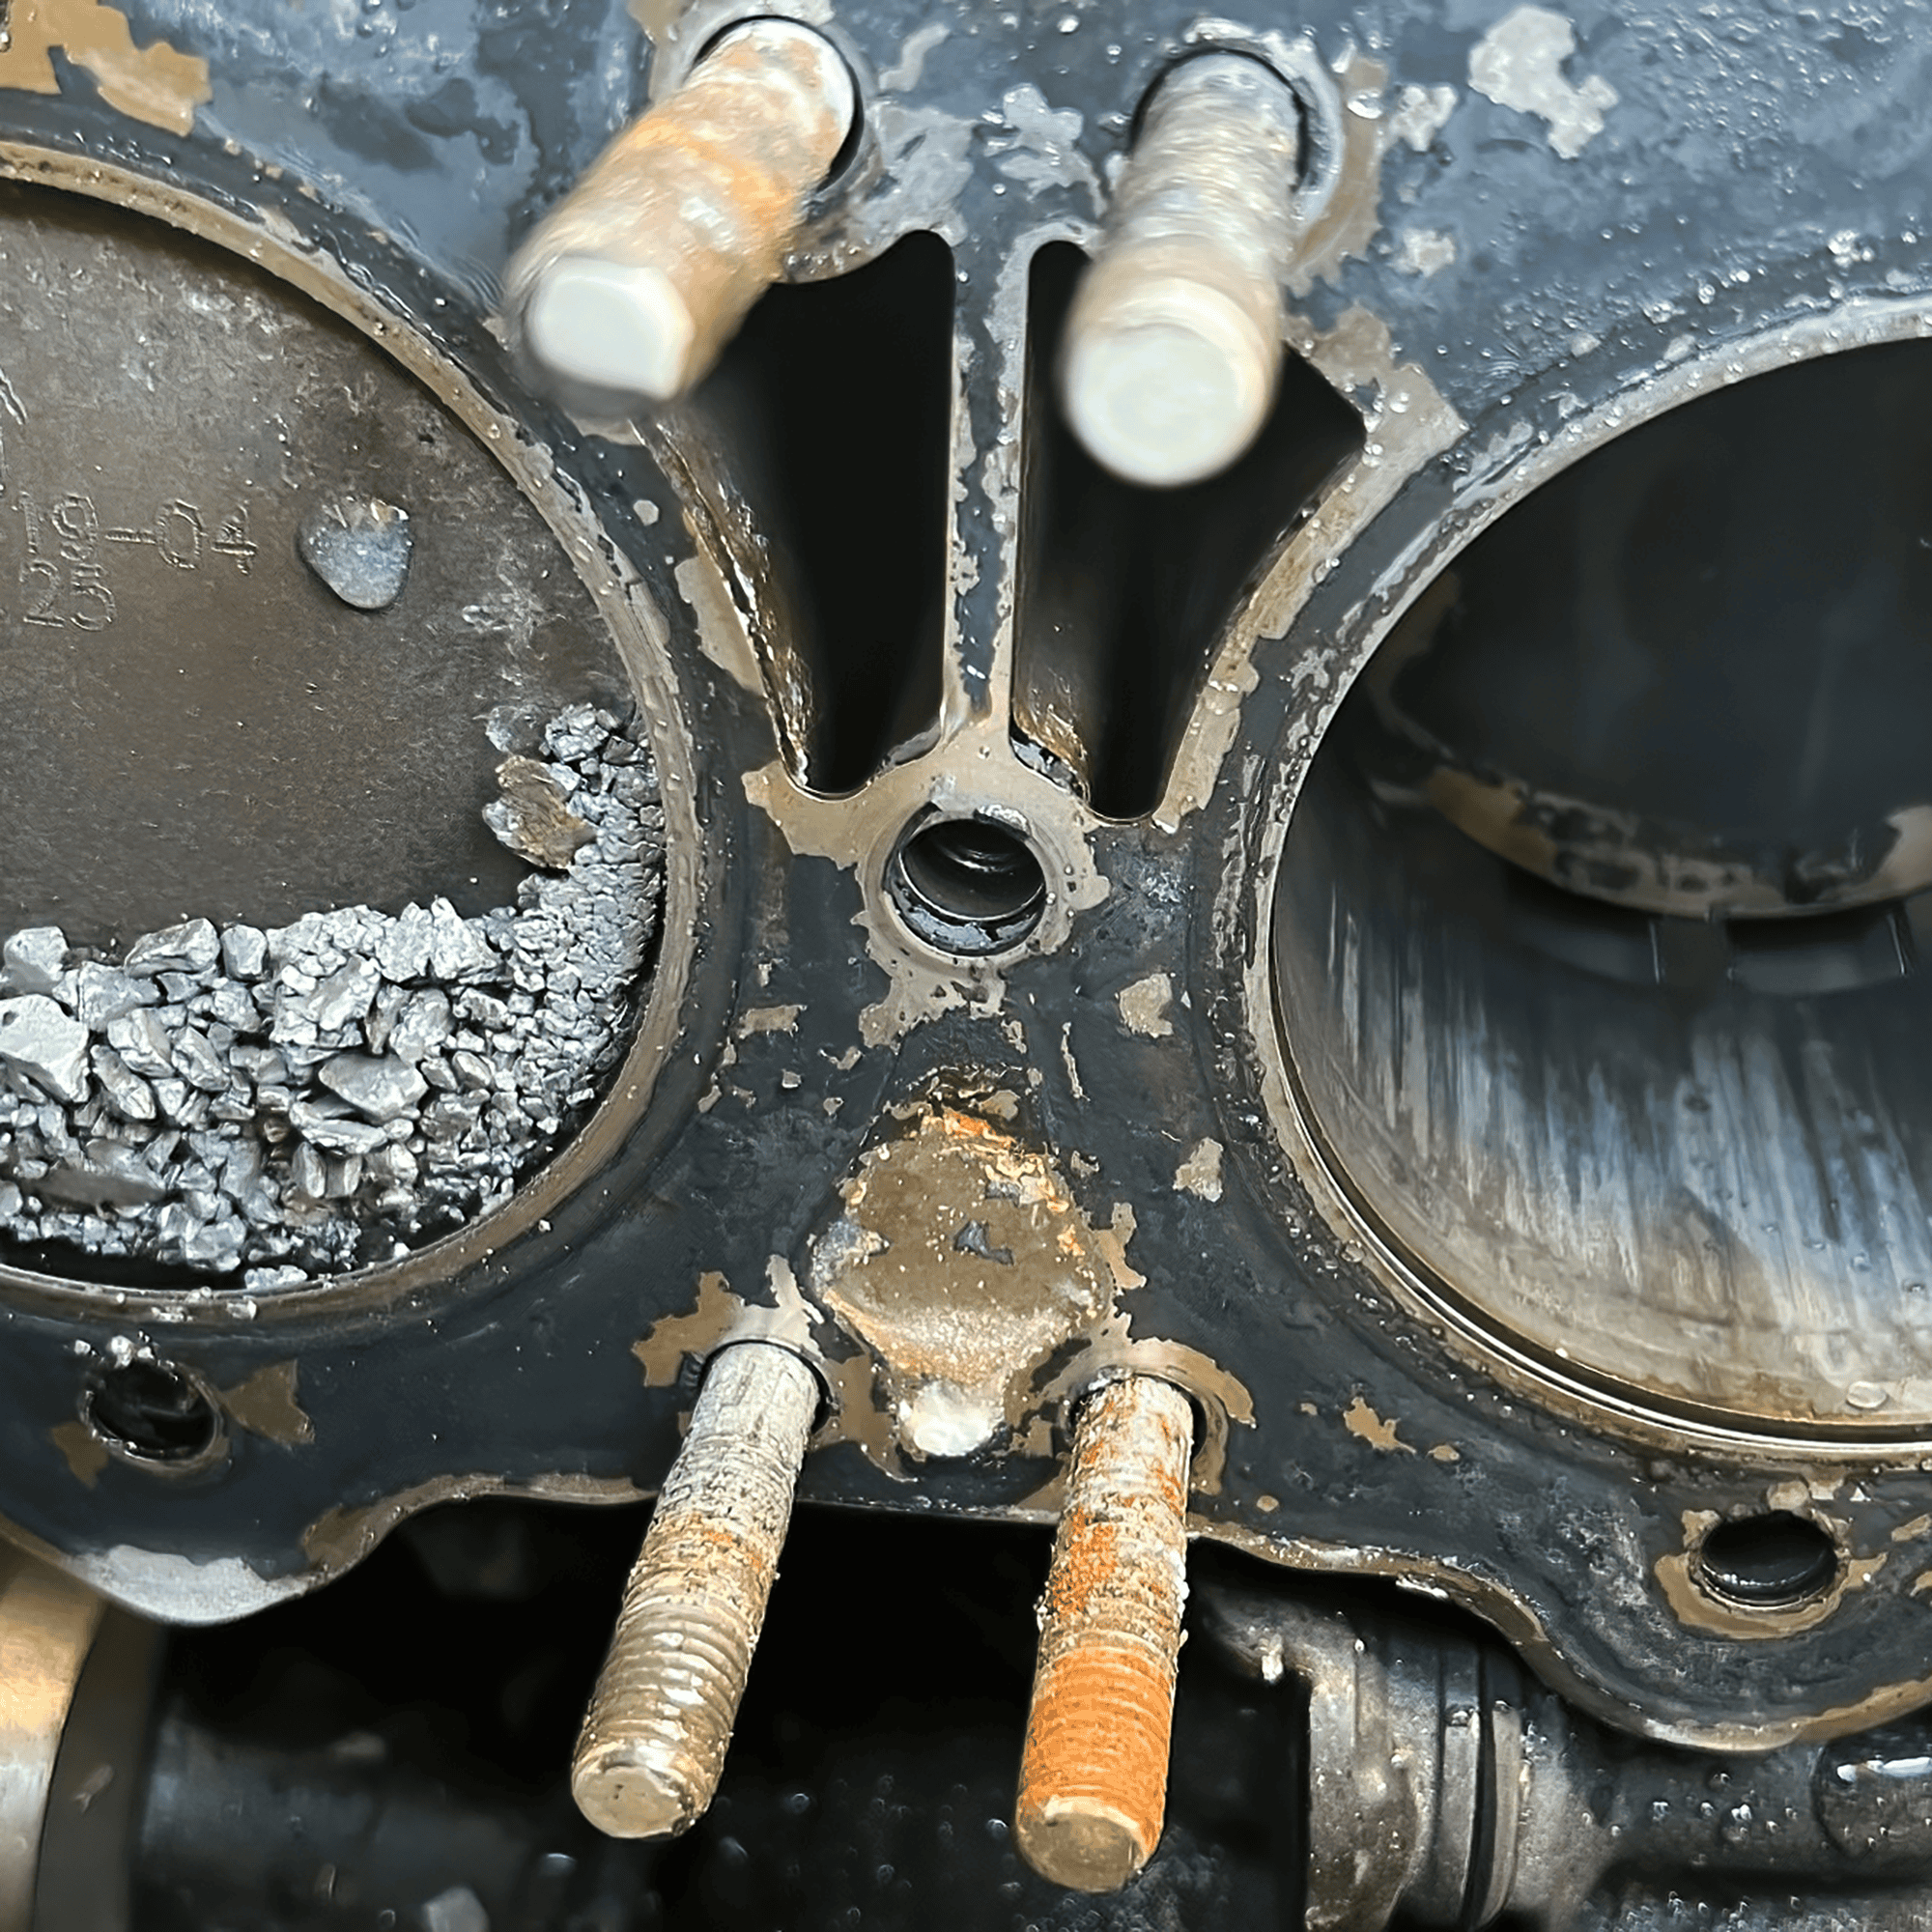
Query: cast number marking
[[64, 574]]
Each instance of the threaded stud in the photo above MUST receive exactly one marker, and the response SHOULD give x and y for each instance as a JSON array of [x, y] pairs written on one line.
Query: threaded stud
[[629, 288], [653, 1744], [1174, 343], [1092, 1791]]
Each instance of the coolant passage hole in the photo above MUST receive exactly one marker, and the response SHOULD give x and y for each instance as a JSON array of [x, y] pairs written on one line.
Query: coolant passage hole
[[153, 1414], [1601, 929], [1776, 1561], [968, 885]]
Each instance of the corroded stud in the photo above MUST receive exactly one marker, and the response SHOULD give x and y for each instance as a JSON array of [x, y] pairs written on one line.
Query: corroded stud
[[654, 1739], [629, 288], [1092, 1791]]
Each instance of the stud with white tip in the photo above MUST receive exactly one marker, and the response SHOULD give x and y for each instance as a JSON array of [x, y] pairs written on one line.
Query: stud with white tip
[[626, 291], [653, 1744], [1173, 345]]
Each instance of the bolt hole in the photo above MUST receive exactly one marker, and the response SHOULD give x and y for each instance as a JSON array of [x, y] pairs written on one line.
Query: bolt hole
[[967, 885], [1771, 1562], [152, 1412], [854, 129]]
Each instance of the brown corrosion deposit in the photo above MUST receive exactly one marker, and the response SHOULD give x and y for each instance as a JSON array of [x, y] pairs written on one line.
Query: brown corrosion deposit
[[961, 1262], [1094, 1777], [654, 1739]]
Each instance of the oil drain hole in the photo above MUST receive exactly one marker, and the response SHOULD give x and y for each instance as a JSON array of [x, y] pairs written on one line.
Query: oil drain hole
[[967, 886], [1771, 1562], [152, 1412]]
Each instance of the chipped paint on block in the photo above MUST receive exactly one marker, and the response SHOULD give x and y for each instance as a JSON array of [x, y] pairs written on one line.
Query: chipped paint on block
[[1421, 113], [154, 83], [1518, 64], [1144, 1005], [768, 1020], [1424, 251], [1201, 1172], [85, 1453], [265, 1404], [1360, 1420]]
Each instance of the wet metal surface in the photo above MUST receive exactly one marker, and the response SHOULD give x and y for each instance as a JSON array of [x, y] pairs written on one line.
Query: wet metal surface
[[332, 1092], [195, 725], [1752, 194]]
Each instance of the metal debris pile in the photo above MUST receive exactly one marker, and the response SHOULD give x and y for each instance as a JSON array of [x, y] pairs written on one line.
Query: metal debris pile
[[332, 1093]]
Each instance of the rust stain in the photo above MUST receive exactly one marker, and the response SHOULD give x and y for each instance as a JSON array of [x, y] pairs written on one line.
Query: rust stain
[[265, 1404], [961, 1262], [662, 1348], [1110, 1244], [1352, 218], [85, 1451], [1092, 1791], [1359, 1419], [155, 84], [720, 1315]]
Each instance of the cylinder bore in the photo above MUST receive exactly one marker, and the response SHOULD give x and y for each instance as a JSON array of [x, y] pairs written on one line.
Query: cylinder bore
[[1597, 928], [334, 842], [967, 886]]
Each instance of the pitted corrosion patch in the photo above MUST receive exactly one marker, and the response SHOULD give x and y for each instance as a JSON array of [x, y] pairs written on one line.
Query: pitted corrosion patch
[[961, 1262]]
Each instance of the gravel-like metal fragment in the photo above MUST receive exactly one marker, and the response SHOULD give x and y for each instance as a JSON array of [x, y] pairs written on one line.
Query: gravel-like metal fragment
[[47, 1045], [244, 951], [377, 1086], [103, 993], [192, 947], [292, 1102], [533, 817], [360, 547], [33, 960]]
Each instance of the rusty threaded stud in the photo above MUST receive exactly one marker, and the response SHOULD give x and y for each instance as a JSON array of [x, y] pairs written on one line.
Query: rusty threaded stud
[[1174, 344], [629, 288], [1094, 1776], [654, 1739]]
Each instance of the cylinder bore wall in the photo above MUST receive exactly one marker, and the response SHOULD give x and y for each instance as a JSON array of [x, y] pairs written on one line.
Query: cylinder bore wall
[[1597, 936], [332, 846]]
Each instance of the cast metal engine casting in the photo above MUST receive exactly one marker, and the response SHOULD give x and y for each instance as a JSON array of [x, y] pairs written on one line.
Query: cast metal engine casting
[[1095, 838]]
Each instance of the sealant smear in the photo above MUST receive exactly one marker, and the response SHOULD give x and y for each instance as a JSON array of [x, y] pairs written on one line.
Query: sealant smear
[[332, 1093]]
